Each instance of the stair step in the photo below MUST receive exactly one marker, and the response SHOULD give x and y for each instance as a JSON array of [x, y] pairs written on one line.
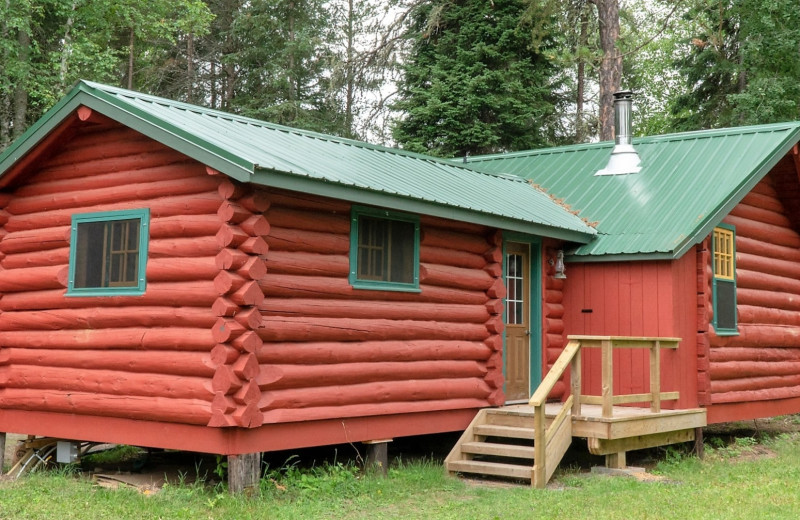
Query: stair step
[[491, 468], [500, 450], [494, 430]]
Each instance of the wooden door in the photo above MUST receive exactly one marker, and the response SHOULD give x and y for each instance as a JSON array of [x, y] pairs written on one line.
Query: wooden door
[[518, 322]]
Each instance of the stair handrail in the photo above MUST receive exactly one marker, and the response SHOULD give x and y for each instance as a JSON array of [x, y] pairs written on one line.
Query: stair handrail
[[570, 356]]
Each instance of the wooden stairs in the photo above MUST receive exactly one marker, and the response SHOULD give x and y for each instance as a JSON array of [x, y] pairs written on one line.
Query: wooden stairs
[[527, 442]]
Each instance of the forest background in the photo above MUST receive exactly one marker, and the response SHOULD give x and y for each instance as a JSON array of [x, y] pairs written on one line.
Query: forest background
[[444, 77]]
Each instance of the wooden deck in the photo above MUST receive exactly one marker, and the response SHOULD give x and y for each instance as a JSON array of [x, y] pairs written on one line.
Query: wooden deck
[[527, 441]]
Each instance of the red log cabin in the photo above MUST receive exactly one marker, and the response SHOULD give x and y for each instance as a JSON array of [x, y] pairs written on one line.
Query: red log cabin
[[177, 277]]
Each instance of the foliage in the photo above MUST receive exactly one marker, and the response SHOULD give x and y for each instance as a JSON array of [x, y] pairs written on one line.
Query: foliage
[[473, 84]]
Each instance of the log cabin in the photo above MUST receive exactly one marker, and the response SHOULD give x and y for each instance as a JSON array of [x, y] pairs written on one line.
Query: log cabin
[[183, 278]]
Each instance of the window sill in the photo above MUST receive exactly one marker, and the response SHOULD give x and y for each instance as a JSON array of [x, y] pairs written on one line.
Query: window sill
[[385, 286]]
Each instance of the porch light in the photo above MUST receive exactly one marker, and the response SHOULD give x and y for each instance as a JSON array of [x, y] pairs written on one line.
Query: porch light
[[560, 266]]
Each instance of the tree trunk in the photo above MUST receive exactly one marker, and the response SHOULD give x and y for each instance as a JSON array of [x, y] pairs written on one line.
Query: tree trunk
[[349, 71], [611, 66], [190, 68], [583, 39], [130, 58], [21, 90], [65, 49]]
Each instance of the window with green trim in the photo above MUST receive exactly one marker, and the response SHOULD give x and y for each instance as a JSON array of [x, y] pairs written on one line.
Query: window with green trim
[[108, 253], [723, 255], [384, 250]]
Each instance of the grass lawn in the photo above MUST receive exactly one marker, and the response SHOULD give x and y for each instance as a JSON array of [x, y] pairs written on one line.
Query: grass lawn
[[741, 477]]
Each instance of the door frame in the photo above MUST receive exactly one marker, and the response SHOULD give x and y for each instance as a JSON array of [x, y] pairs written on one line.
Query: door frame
[[534, 305]]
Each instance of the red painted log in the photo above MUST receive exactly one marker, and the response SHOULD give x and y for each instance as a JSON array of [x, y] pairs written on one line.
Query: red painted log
[[246, 367], [553, 326], [746, 396], [175, 363], [185, 269], [224, 307], [319, 221], [495, 324], [105, 178], [183, 247], [752, 314], [223, 404], [752, 383], [231, 259], [255, 246], [767, 298], [107, 317], [182, 226], [437, 237], [366, 410], [179, 294], [763, 215], [225, 330], [39, 240], [765, 264], [302, 263], [249, 317], [291, 286], [111, 382], [171, 338], [494, 342], [225, 381], [226, 282], [754, 354], [777, 235], [376, 392], [371, 351], [223, 354], [248, 294], [283, 239], [248, 393], [231, 236], [497, 289], [768, 202], [63, 168], [281, 328], [256, 225], [494, 255], [33, 278], [554, 296], [248, 416], [747, 369], [256, 201], [302, 201], [453, 257], [3, 215], [124, 141], [457, 277], [233, 212], [495, 270], [374, 309], [495, 306], [185, 411], [91, 196], [274, 377], [247, 342], [453, 225], [183, 206], [747, 279], [760, 335], [231, 189]]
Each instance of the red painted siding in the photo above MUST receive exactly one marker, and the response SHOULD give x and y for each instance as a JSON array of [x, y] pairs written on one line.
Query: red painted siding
[[636, 299], [762, 363]]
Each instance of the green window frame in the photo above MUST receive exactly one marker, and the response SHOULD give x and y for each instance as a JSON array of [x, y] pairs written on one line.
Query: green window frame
[[108, 253], [384, 250], [723, 265]]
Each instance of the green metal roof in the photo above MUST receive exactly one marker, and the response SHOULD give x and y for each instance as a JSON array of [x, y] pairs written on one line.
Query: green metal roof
[[277, 156], [687, 184]]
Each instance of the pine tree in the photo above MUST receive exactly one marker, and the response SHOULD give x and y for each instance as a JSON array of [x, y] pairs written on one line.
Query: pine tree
[[473, 83]]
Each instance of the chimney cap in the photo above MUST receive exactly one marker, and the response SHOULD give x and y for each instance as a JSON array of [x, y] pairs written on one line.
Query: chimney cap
[[624, 159]]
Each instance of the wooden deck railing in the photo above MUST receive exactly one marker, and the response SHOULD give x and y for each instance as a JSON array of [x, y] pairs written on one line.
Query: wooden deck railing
[[571, 357]]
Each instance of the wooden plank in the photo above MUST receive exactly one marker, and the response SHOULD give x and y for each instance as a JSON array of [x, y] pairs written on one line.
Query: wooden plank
[[501, 419], [607, 374], [499, 450], [624, 341], [640, 442], [244, 472], [539, 472], [616, 460], [656, 424], [576, 383], [491, 468], [566, 408], [489, 430], [655, 377], [556, 448]]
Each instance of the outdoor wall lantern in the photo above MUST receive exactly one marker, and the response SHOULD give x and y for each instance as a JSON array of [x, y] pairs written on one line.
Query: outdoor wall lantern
[[560, 266]]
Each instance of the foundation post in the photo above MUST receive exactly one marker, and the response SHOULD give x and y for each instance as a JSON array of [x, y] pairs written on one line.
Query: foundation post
[[244, 472], [378, 456]]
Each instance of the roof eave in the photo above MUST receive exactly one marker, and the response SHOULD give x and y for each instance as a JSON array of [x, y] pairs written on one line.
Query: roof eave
[[355, 194]]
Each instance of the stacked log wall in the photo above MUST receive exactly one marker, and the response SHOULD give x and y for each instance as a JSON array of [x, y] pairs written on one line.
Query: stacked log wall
[[762, 362], [554, 333], [332, 351], [137, 357]]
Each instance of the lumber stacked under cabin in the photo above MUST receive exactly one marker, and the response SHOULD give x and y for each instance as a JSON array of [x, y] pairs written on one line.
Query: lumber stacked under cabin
[[762, 362], [145, 357], [330, 351]]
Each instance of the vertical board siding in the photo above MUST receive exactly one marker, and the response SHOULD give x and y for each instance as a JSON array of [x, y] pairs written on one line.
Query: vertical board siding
[[138, 357], [762, 362], [328, 350]]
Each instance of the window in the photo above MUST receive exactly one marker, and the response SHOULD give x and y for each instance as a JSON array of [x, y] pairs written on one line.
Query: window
[[384, 250], [723, 254], [108, 253]]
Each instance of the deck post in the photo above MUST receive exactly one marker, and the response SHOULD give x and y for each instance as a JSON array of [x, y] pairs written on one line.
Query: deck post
[[244, 472], [699, 447], [378, 456], [577, 388], [2, 452], [616, 460], [607, 372], [655, 376]]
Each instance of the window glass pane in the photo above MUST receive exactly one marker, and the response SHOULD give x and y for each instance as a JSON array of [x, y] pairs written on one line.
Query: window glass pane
[[515, 282], [107, 254], [89, 249], [401, 252], [386, 250]]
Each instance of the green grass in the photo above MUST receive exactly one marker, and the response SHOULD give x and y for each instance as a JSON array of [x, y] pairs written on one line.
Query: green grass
[[745, 478]]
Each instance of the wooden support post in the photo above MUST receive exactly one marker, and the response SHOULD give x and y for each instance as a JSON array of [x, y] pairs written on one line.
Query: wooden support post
[[616, 460], [2, 452], [577, 387], [539, 473], [699, 447], [655, 376], [378, 456], [607, 374], [244, 472]]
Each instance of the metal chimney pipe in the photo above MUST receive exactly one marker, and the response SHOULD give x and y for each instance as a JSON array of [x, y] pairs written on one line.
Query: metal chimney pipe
[[624, 159]]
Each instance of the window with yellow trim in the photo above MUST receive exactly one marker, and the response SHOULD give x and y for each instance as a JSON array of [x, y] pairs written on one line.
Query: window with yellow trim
[[723, 254]]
